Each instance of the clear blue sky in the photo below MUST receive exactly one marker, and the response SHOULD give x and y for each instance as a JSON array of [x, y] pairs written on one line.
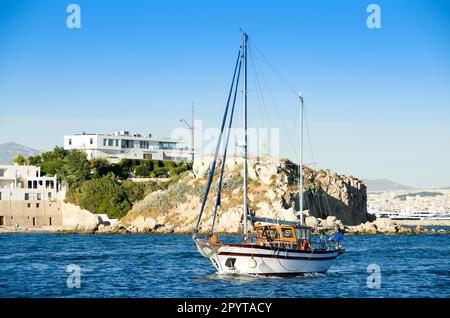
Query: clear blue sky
[[378, 100]]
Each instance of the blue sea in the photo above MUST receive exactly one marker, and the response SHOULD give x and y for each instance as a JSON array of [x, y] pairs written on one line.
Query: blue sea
[[44, 265]]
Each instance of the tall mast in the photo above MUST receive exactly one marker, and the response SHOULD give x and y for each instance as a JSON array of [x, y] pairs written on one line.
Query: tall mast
[[245, 39], [300, 167]]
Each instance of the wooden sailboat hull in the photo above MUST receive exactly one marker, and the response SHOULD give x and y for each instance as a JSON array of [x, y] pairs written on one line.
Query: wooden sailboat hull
[[251, 259]]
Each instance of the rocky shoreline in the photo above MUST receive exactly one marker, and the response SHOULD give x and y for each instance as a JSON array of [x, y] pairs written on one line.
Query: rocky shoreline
[[377, 227]]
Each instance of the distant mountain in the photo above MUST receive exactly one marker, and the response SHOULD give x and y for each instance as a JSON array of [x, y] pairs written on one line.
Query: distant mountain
[[384, 185], [10, 150]]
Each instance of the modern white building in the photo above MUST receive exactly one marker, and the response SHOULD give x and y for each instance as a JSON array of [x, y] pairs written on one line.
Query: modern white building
[[123, 145]]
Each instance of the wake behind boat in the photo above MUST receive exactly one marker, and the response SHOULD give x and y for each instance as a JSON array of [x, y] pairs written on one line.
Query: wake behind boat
[[273, 247]]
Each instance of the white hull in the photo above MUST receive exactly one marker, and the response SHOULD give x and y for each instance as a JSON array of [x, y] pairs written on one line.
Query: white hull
[[265, 261]]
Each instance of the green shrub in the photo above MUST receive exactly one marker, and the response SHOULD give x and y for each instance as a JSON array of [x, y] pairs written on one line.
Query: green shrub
[[233, 182], [141, 171]]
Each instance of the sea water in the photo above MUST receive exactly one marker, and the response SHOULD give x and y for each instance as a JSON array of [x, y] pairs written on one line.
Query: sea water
[[75, 265]]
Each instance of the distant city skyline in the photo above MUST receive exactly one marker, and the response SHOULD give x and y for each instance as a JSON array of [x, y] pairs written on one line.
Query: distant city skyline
[[378, 103]]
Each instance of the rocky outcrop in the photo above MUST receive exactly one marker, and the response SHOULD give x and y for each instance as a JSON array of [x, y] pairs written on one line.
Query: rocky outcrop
[[76, 219], [273, 192], [329, 194]]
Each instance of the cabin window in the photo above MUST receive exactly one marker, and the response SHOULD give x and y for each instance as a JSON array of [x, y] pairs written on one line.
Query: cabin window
[[287, 232], [273, 234], [259, 233]]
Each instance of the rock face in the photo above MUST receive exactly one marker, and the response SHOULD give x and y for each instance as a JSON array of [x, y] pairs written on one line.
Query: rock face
[[273, 192], [76, 219], [330, 194]]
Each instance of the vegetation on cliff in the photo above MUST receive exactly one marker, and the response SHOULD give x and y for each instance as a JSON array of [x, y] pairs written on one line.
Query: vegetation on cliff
[[100, 186]]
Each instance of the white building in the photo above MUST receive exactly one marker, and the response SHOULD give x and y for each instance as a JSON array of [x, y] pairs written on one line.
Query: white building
[[121, 145], [26, 183], [27, 198]]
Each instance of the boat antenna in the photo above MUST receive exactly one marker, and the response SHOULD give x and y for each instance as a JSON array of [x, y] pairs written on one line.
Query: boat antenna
[[244, 56], [300, 166]]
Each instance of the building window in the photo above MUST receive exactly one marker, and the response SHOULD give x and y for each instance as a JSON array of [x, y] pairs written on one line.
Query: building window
[[50, 221], [28, 205], [110, 142], [27, 196], [127, 143], [167, 145], [70, 142], [0, 195], [38, 196], [91, 141], [2, 172], [105, 141], [37, 205]]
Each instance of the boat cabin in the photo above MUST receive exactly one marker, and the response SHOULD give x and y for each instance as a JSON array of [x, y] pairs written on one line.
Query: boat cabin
[[295, 236]]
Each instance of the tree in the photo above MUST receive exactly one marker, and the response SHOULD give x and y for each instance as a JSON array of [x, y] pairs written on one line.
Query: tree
[[52, 161], [35, 160], [99, 167], [75, 168], [20, 160], [105, 195]]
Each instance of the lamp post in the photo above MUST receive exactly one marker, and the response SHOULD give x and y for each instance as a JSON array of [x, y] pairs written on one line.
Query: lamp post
[[192, 128]]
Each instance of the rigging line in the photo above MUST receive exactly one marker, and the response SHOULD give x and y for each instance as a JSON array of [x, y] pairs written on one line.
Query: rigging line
[[219, 141], [219, 188], [309, 139], [275, 104], [275, 70], [257, 89], [258, 84]]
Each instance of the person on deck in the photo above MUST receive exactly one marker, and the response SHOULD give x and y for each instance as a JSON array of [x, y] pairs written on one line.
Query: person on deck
[[338, 237]]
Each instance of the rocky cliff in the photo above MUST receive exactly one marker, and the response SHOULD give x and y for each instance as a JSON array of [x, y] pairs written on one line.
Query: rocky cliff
[[273, 192]]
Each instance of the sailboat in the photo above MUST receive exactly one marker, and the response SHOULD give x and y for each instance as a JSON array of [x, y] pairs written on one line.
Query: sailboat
[[274, 247]]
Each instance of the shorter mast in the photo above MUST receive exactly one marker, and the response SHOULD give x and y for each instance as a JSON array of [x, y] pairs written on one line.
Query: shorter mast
[[300, 166]]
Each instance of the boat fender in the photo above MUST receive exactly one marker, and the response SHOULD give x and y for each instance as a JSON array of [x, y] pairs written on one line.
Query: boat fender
[[252, 263], [305, 245], [213, 239]]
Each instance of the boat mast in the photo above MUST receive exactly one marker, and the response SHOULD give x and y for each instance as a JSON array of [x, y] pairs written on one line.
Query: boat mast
[[245, 39], [300, 166]]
